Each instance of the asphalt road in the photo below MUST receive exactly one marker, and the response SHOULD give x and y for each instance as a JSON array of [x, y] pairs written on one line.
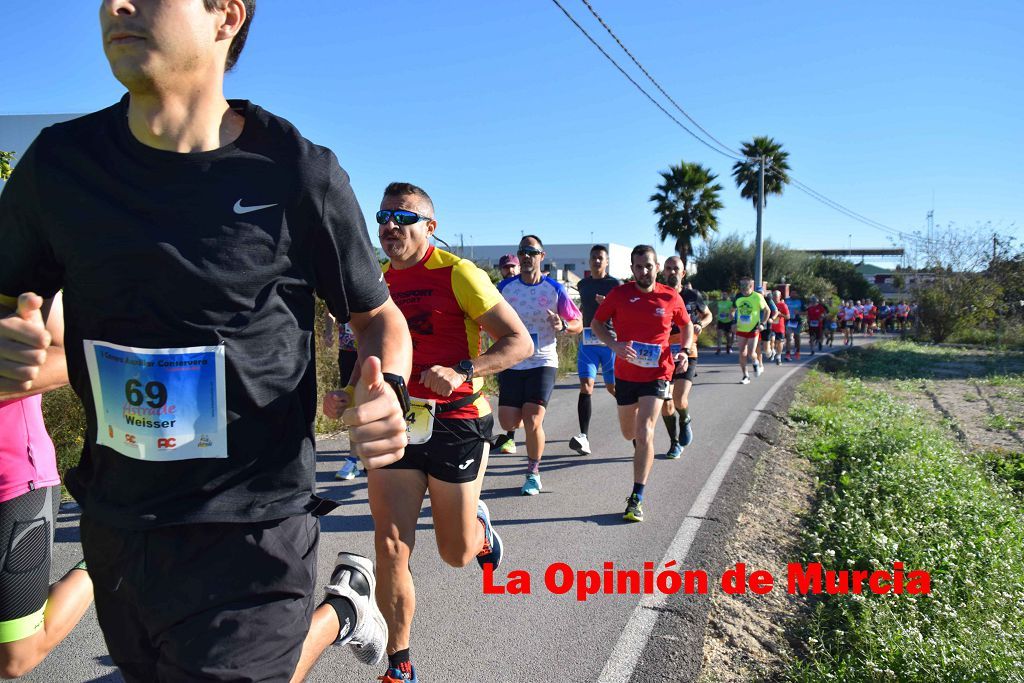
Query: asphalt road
[[461, 634]]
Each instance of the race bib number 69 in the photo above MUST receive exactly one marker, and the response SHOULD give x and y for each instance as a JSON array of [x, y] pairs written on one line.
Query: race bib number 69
[[159, 404]]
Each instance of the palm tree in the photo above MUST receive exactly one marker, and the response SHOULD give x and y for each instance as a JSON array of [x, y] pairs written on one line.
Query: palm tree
[[686, 204], [776, 167]]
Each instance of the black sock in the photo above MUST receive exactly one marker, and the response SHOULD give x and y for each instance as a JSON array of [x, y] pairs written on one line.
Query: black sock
[[346, 612], [638, 490], [583, 409], [511, 434], [396, 660], [670, 425]]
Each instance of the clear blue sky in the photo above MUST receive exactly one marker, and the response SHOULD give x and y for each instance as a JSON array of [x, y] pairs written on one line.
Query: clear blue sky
[[513, 121]]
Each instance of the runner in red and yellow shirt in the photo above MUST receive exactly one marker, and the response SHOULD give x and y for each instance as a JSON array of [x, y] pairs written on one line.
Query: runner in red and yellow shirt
[[643, 313], [448, 302]]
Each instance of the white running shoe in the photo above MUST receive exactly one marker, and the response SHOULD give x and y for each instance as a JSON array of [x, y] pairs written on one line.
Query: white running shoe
[[353, 578], [757, 370], [745, 380], [348, 471], [580, 443]]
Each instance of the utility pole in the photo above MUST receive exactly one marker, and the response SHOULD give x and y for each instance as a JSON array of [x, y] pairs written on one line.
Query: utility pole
[[758, 242], [931, 223]]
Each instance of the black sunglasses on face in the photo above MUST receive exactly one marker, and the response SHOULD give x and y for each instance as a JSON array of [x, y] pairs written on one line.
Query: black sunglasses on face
[[529, 252], [401, 217]]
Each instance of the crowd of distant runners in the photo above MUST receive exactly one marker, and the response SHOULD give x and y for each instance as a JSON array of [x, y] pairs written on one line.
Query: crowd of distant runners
[[163, 256]]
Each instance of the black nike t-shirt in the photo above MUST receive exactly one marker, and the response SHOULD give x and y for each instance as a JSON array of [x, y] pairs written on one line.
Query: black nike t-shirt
[[162, 251]]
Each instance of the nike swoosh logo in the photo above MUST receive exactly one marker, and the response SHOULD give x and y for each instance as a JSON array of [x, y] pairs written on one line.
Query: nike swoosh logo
[[467, 463], [634, 300], [239, 209], [381, 277]]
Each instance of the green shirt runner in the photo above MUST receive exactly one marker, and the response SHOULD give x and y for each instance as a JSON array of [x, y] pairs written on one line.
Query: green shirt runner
[[748, 311]]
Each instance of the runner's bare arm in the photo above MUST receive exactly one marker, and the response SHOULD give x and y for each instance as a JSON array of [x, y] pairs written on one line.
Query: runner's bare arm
[[512, 340], [20, 349], [384, 333], [574, 326], [376, 422], [705, 318]]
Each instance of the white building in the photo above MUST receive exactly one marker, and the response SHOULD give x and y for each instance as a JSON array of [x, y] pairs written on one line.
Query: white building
[[565, 260]]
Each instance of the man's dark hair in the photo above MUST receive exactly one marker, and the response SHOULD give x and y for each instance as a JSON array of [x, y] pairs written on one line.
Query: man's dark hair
[[238, 43], [641, 249], [599, 247], [406, 189], [532, 237]]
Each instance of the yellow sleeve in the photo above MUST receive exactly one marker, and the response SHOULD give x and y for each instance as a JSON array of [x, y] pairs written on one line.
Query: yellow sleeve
[[473, 290]]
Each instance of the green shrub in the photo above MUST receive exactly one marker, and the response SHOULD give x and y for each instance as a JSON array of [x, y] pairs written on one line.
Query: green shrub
[[65, 421], [893, 486]]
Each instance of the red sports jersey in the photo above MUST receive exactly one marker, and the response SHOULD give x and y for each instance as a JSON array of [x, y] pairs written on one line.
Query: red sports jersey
[[645, 319], [779, 326], [815, 312], [441, 296]]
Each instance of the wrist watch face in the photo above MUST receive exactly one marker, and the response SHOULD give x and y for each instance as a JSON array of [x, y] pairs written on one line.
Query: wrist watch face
[[466, 368]]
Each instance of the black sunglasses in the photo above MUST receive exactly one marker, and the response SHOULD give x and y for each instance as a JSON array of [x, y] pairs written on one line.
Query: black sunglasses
[[528, 251], [401, 217]]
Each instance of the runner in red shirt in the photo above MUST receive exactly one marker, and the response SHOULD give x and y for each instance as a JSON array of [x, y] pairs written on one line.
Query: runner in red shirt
[[816, 313], [778, 328], [870, 313], [643, 313]]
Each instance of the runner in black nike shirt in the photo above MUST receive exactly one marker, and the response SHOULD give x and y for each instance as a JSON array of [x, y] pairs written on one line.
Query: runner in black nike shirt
[[189, 235]]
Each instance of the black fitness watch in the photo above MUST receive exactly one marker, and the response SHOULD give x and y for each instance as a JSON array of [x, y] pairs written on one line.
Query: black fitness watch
[[466, 368], [397, 382]]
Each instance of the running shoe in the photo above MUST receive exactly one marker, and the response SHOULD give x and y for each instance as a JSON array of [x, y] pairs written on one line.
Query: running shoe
[[674, 452], [778, 360], [745, 380], [634, 510], [348, 471], [687, 433], [580, 443], [397, 675], [493, 547], [503, 444], [532, 486], [353, 578], [757, 370]]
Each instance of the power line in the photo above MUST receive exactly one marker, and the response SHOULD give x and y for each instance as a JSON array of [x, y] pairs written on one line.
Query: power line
[[849, 213], [656, 84], [640, 88], [729, 152]]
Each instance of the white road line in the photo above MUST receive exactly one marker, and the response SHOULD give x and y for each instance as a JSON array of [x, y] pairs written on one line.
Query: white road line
[[626, 653]]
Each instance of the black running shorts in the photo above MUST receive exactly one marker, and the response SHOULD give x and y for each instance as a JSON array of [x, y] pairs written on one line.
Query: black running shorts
[[518, 387], [347, 359], [627, 393], [454, 452], [688, 374], [26, 535], [204, 602]]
